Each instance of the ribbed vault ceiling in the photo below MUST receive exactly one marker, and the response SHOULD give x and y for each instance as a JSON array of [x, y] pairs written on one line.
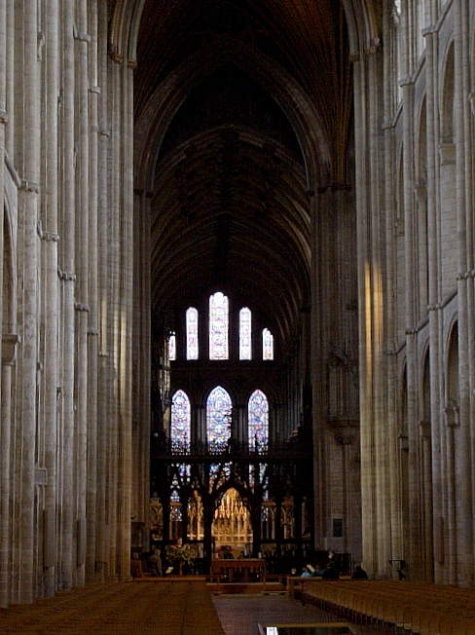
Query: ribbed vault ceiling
[[229, 156]]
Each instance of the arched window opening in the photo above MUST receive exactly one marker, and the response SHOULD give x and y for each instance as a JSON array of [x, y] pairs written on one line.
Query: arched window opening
[[267, 345], [218, 326], [218, 418], [180, 425], [192, 333], [245, 334], [258, 417], [172, 347]]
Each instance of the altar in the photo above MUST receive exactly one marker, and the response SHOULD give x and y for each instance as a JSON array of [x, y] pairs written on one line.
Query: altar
[[238, 570]]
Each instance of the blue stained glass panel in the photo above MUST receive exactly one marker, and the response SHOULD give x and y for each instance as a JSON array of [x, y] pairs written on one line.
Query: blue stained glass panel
[[180, 418], [258, 418], [218, 418]]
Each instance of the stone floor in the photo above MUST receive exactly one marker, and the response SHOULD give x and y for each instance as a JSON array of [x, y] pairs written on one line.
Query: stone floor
[[241, 614]]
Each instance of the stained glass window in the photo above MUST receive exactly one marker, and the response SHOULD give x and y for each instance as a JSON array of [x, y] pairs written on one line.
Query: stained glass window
[[192, 333], [245, 331], [267, 345], [172, 347], [218, 418], [218, 326], [180, 419], [258, 417]]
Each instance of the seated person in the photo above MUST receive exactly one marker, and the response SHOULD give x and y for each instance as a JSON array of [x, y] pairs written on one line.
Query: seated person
[[306, 573], [155, 562], [331, 572], [359, 573]]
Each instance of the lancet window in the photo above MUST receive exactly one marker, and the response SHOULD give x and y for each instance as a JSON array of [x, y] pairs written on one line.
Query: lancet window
[[267, 345], [180, 425], [172, 347], [218, 418], [218, 326], [258, 417], [245, 334], [192, 333]]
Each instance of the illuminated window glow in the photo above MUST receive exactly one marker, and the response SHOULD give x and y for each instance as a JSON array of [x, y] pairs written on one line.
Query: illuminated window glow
[[245, 334], [218, 326], [192, 333], [258, 417], [180, 425], [218, 418], [172, 347], [267, 345]]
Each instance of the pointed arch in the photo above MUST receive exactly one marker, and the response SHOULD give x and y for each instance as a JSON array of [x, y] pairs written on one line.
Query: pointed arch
[[258, 418], [218, 418], [245, 333], [192, 345], [218, 326], [180, 424]]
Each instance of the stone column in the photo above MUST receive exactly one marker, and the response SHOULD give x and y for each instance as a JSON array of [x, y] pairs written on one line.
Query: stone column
[[92, 327], [452, 417], [5, 391], [103, 527], [391, 275], [435, 326], [200, 419], [344, 440], [241, 423], [50, 236], [9, 347], [67, 277], [427, 513], [464, 435], [411, 527], [83, 40], [126, 320], [28, 225], [374, 437], [142, 354]]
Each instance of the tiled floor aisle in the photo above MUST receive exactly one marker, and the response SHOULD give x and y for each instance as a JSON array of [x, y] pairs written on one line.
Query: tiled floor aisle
[[240, 614]]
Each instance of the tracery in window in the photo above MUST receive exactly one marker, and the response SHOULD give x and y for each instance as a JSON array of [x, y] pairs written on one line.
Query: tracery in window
[[218, 326], [218, 418], [172, 347], [245, 334], [192, 333], [258, 417], [180, 425], [267, 345]]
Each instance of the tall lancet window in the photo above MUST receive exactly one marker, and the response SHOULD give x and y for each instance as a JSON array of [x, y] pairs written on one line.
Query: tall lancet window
[[192, 333], [218, 326], [172, 347], [180, 426], [245, 331], [218, 418], [258, 417], [267, 345]]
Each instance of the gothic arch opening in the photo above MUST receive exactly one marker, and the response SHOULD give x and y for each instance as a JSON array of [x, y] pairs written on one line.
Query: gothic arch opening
[[232, 527]]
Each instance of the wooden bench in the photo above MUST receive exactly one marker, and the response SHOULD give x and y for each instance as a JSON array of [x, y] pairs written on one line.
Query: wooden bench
[[423, 608]]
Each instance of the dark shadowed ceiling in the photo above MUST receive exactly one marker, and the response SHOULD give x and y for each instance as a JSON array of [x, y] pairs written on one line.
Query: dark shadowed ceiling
[[241, 108]]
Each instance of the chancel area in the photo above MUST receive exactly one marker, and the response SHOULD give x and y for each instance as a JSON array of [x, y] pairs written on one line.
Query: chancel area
[[237, 293]]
